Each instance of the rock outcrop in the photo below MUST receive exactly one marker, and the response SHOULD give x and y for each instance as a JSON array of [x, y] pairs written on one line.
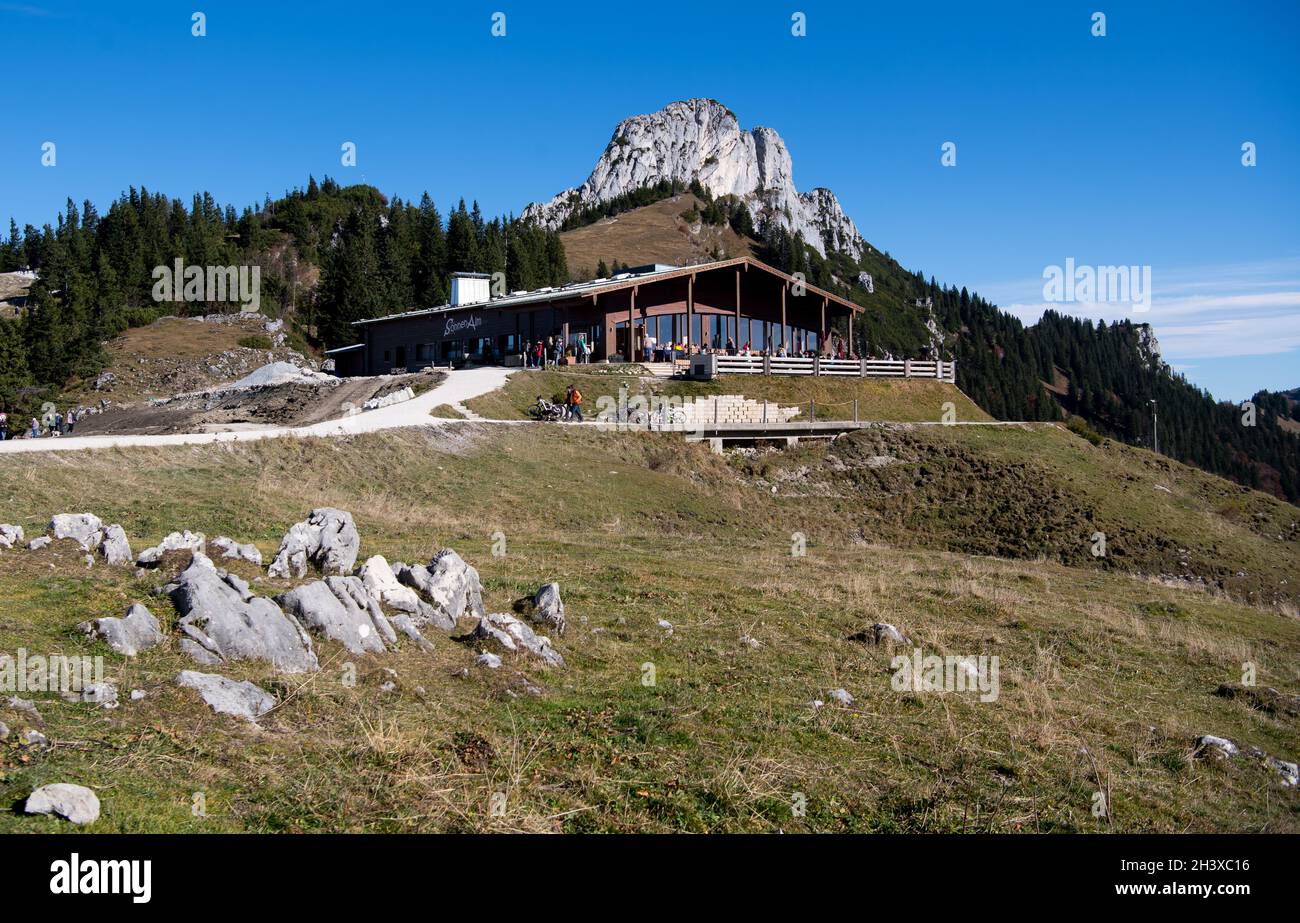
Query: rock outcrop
[[548, 607], [10, 535], [85, 528], [223, 620], [176, 541], [114, 548], [327, 539], [228, 696], [701, 139], [516, 636], [89, 531], [230, 548], [134, 632], [340, 609], [449, 583]]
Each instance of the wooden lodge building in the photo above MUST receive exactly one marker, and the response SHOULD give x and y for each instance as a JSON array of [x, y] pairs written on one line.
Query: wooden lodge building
[[701, 306]]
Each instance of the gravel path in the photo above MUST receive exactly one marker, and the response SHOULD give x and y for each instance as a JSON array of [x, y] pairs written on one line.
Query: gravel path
[[459, 386]]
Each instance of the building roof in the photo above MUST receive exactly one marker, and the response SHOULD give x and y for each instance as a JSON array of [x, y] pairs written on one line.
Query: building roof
[[343, 349], [641, 275]]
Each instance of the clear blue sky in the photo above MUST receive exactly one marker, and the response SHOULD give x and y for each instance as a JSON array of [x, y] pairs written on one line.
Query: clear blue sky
[[1122, 149]]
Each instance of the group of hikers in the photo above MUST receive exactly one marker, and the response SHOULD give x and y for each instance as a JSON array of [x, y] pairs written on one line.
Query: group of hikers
[[57, 423], [548, 353]]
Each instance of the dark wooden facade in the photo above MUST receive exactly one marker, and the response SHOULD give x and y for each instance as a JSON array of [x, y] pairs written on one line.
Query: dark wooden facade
[[704, 306]]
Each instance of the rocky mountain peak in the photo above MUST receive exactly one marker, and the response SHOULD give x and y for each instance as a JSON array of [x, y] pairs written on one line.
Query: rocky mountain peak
[[701, 139]]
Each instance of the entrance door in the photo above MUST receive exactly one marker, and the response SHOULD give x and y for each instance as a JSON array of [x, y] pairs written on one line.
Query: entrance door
[[401, 358]]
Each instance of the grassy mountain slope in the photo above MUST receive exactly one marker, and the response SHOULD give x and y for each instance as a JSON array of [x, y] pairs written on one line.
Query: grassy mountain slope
[[1106, 678], [654, 233]]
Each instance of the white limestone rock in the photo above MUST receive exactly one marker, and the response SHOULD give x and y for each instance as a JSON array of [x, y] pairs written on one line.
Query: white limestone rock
[[134, 632], [1218, 747], [340, 609], [450, 584], [114, 548], [514, 635], [225, 621], [72, 802], [842, 696], [230, 548], [227, 696], [327, 539], [175, 541], [383, 585], [86, 528], [548, 607], [10, 535]]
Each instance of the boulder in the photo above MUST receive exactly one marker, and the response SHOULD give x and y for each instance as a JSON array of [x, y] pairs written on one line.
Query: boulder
[[38, 543], [384, 586], [10, 535], [227, 622], [548, 607], [514, 635], [176, 541], [74, 802], [489, 660], [449, 583], [86, 528], [4, 730], [232, 549], [1288, 773], [134, 632], [228, 696], [340, 609], [102, 694], [843, 696], [114, 548], [1218, 747], [327, 538]]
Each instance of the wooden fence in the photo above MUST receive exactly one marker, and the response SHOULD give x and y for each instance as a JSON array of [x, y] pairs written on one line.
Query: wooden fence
[[713, 365]]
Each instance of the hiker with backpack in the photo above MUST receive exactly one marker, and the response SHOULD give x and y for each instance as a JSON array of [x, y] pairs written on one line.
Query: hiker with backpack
[[573, 402]]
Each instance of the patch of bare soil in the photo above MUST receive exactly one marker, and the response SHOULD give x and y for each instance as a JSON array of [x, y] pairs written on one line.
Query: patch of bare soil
[[294, 404]]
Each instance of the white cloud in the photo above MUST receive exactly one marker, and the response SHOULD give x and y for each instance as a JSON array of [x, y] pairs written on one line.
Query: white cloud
[[1213, 312]]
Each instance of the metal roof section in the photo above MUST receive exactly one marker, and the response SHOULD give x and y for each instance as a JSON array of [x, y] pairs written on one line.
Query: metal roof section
[[343, 349], [655, 272]]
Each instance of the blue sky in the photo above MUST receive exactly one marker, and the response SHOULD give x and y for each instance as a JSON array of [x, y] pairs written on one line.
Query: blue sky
[[1115, 150]]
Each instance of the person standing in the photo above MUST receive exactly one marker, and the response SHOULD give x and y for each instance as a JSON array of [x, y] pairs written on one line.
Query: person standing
[[573, 403], [4, 426], [36, 428]]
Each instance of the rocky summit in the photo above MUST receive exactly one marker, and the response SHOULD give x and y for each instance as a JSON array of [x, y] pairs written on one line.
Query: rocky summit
[[701, 139]]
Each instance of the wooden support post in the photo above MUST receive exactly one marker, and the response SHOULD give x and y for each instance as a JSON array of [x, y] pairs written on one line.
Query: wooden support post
[[690, 313], [631, 326], [821, 337], [736, 338]]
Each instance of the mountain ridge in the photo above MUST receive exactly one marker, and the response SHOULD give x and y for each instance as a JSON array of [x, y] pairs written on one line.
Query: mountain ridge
[[701, 140]]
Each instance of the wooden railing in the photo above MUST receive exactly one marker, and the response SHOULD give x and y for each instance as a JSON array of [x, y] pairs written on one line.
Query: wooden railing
[[710, 366]]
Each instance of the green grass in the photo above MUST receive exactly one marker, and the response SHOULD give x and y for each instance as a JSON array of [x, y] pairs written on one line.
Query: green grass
[[914, 400], [638, 527]]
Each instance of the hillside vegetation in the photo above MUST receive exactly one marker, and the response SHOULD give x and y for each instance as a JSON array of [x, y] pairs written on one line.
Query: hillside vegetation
[[1106, 677]]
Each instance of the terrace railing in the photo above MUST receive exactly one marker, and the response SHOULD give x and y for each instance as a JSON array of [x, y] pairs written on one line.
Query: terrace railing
[[713, 365]]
